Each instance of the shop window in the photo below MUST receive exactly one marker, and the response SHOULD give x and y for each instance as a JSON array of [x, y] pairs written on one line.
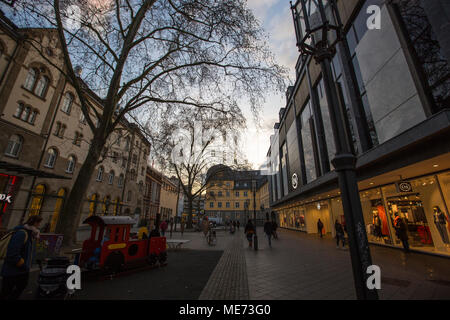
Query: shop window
[[57, 211], [51, 157], [67, 103], [93, 204], [37, 200], [14, 146]]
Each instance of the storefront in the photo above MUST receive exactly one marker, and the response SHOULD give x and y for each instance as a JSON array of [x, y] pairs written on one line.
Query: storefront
[[421, 202], [8, 188]]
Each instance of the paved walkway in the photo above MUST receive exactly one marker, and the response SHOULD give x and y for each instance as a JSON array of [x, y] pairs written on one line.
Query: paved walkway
[[301, 266]]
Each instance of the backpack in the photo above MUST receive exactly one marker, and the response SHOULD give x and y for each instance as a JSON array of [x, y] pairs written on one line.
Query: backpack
[[4, 242]]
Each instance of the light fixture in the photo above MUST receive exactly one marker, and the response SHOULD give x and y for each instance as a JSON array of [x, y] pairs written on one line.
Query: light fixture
[[371, 183], [435, 165]]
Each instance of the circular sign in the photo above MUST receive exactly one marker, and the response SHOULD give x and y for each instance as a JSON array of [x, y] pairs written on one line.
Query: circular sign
[[294, 181], [404, 186]]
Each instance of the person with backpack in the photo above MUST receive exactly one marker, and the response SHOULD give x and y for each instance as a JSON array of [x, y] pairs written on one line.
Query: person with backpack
[[18, 258], [249, 231]]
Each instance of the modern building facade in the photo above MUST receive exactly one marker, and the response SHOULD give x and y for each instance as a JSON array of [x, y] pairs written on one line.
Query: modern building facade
[[398, 118], [45, 138], [230, 195]]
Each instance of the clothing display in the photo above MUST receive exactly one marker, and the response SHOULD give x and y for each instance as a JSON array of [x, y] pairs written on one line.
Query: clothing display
[[440, 221], [384, 223]]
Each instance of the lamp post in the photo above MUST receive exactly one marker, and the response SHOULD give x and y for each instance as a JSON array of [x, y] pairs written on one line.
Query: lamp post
[[318, 29], [255, 237]]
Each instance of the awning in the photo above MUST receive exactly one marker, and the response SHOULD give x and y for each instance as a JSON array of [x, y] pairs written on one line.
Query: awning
[[15, 168]]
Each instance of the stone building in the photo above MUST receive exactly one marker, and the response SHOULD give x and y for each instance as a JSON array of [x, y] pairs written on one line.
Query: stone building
[[45, 138]]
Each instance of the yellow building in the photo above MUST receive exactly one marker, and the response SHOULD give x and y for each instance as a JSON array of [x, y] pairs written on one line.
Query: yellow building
[[230, 196]]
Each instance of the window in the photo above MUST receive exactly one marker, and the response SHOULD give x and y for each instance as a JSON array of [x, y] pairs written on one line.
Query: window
[[82, 118], [220, 194], [33, 116], [19, 110], [127, 144], [60, 129], [142, 171], [132, 174], [219, 204], [211, 204], [31, 79], [71, 164], [237, 193], [41, 87], [78, 138], [111, 177], [141, 186], [120, 182], [134, 158], [100, 174], [67, 103], [228, 193], [14, 146], [129, 195], [227, 204], [124, 162], [50, 160], [26, 113], [245, 193], [236, 205]]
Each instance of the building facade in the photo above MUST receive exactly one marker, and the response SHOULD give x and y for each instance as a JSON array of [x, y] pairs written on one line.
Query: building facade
[[169, 198], [395, 90], [152, 198], [45, 138], [230, 195]]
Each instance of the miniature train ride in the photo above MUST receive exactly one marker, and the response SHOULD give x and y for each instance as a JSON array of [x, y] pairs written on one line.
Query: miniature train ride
[[110, 247]]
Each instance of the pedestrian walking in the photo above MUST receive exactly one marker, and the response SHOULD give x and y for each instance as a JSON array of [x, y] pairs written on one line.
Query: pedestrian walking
[[182, 226], [320, 227], [238, 224], [163, 227], [400, 231], [249, 231], [268, 231], [340, 236], [18, 259], [274, 229]]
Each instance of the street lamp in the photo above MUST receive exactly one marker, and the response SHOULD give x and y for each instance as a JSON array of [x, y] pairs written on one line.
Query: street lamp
[[318, 29], [255, 237]]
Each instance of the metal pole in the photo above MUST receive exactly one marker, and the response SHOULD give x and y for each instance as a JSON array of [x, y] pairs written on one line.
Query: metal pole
[[345, 165], [255, 238]]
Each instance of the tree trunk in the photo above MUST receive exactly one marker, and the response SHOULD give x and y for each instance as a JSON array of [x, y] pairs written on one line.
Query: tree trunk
[[70, 219]]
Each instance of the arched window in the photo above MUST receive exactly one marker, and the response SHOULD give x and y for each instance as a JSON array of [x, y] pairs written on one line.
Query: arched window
[[120, 183], [111, 177], [71, 164], [26, 113], [14, 146], [31, 79], [33, 116], [67, 103], [19, 110], [132, 174], [50, 160], [41, 87], [100, 174]]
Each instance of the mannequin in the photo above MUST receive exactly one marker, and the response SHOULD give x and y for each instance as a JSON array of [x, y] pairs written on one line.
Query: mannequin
[[441, 221]]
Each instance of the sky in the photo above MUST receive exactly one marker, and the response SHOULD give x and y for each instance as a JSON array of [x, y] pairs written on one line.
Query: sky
[[276, 18]]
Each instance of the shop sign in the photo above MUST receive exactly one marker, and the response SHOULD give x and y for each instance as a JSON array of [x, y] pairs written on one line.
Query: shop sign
[[5, 197], [403, 186], [294, 181]]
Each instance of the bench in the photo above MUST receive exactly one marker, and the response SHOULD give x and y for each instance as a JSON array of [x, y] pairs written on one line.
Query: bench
[[176, 244]]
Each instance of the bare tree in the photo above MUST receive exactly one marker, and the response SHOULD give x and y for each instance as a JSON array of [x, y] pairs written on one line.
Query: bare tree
[[189, 144], [205, 54]]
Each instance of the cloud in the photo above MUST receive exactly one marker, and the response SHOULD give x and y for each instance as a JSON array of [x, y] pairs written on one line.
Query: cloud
[[261, 8]]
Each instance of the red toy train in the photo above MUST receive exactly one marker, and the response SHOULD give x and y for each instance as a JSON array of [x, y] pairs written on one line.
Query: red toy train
[[110, 248]]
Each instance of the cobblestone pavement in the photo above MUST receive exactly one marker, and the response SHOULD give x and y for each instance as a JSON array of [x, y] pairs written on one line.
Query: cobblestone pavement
[[229, 279], [302, 266]]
